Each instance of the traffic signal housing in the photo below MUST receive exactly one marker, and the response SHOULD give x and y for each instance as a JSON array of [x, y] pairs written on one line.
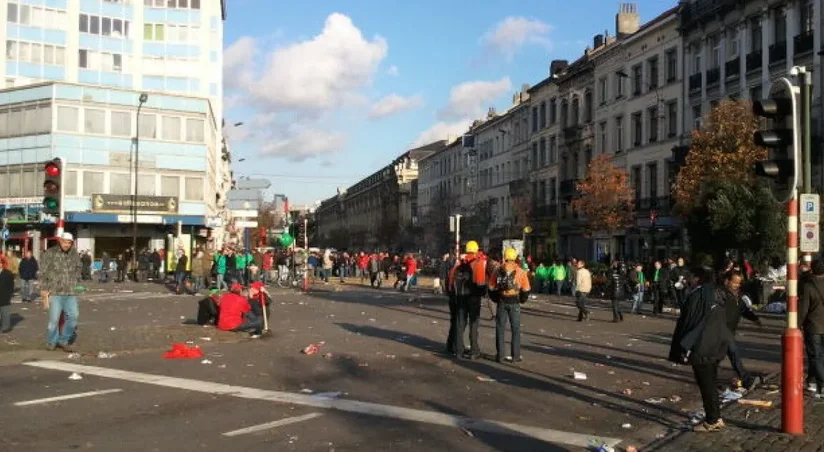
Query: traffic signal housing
[[53, 187], [780, 137]]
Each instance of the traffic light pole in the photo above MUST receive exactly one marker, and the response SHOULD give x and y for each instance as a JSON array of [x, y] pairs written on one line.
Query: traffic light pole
[[792, 362], [61, 215], [806, 128]]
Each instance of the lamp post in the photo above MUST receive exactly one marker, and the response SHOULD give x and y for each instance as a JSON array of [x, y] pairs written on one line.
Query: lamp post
[[141, 100]]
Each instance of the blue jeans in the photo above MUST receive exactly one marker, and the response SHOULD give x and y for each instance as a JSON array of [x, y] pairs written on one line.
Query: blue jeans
[[221, 281], [58, 304], [637, 301], [512, 313], [27, 290]]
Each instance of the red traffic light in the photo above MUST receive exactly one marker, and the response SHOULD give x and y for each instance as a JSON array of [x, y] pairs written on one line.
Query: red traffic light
[[52, 169]]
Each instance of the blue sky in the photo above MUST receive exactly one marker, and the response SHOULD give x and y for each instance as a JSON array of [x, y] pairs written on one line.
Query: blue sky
[[330, 93]]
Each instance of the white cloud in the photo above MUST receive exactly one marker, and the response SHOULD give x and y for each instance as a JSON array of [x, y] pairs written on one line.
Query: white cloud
[[304, 81], [470, 100], [442, 131], [393, 71], [514, 32], [394, 103]]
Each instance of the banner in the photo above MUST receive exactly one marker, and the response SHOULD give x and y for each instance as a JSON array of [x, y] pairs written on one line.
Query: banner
[[123, 204]]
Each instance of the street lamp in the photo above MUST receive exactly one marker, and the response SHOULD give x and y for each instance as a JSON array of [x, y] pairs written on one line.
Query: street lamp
[[141, 100]]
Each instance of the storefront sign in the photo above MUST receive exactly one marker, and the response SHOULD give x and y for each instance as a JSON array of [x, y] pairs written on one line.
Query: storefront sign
[[21, 212], [123, 203], [141, 219], [214, 222]]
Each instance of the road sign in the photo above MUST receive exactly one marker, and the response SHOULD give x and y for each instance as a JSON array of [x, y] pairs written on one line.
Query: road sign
[[810, 210], [246, 224], [809, 237], [244, 213], [5, 234]]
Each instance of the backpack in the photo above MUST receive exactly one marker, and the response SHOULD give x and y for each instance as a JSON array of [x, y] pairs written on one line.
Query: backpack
[[464, 283], [505, 283]]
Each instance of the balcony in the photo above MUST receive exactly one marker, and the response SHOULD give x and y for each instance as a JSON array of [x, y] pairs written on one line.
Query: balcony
[[700, 11], [803, 43], [753, 61], [778, 52], [713, 76], [572, 133], [695, 82], [662, 204], [567, 188], [732, 68]]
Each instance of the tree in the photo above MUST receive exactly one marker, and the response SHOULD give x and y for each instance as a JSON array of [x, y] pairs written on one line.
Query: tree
[[475, 224], [606, 198], [722, 203], [723, 149]]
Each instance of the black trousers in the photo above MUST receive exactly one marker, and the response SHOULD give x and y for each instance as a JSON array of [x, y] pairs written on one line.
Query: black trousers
[[657, 298], [453, 325], [206, 311], [706, 376], [735, 361], [616, 309], [469, 313]]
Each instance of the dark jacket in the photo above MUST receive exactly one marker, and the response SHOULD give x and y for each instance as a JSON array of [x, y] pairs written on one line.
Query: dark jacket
[[28, 268], [736, 308], [811, 306], [701, 332], [6, 287], [61, 271], [617, 284]]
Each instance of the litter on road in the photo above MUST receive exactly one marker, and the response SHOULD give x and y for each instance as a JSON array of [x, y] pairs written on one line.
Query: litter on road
[[758, 403], [486, 379], [75, 376], [579, 375]]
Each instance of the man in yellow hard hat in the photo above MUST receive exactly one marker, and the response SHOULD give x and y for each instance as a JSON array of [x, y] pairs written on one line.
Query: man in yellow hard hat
[[509, 287], [467, 283]]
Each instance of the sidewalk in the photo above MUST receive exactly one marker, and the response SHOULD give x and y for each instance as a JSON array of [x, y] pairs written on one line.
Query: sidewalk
[[753, 429]]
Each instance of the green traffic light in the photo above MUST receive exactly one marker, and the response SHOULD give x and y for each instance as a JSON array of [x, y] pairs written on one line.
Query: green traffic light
[[50, 203]]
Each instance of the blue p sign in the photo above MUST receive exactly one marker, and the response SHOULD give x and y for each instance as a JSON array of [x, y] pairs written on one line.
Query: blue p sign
[[809, 207]]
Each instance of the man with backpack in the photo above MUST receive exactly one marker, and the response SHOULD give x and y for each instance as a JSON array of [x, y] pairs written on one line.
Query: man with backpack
[[467, 281], [509, 288]]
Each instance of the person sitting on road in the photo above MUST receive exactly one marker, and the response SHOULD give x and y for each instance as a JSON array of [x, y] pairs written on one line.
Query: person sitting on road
[[209, 308], [257, 290], [236, 312]]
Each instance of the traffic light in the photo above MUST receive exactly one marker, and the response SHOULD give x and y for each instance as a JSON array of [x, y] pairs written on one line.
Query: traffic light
[[53, 187], [781, 137]]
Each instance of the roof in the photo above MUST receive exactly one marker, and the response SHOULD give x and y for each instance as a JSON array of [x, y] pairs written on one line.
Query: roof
[[671, 13]]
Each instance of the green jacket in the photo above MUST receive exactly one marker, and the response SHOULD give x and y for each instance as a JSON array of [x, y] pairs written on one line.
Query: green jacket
[[542, 273], [220, 263], [560, 273]]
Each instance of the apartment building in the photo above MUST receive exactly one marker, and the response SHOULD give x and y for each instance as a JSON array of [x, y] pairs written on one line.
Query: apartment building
[[81, 66]]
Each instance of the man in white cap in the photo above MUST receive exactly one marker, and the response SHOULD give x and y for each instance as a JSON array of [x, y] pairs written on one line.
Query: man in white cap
[[61, 271]]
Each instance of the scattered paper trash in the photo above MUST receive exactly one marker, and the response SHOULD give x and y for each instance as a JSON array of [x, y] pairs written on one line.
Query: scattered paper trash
[[328, 356], [627, 392], [533, 297], [306, 391], [104, 355], [112, 328], [729, 396], [75, 376], [74, 355], [207, 339], [655, 400], [697, 416], [485, 379], [372, 320], [758, 403], [328, 395], [675, 398], [206, 361], [222, 366], [631, 449], [645, 383], [467, 432], [603, 447], [579, 375], [310, 349], [626, 425]]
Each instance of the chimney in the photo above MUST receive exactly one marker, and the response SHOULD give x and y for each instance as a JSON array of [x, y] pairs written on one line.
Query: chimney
[[597, 41], [492, 113], [557, 66], [627, 21]]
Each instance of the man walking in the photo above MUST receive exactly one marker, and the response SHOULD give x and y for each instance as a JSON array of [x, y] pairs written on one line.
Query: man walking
[[28, 274], [61, 271], [582, 288], [467, 280], [617, 290], [509, 287]]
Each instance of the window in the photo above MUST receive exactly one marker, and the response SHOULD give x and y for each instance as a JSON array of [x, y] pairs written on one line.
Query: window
[[602, 91], [194, 130], [11, 12], [535, 156], [602, 137], [696, 61], [637, 79], [534, 119], [104, 26], [734, 46], [696, 117], [755, 35], [652, 65], [94, 25], [83, 58], [120, 184], [672, 65], [553, 118], [146, 185], [636, 183], [70, 183], [35, 53], [542, 115], [756, 93], [588, 107], [117, 62], [23, 51], [672, 118], [11, 50], [67, 118], [553, 192], [169, 186], [121, 124], [653, 124], [153, 32], [576, 109], [171, 128], [619, 133], [652, 179], [553, 150], [92, 183], [780, 26], [542, 151], [637, 129], [619, 84], [148, 126], [806, 17], [94, 120], [715, 56]]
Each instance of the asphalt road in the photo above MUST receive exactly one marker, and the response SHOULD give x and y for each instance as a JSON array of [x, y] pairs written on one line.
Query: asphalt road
[[378, 383]]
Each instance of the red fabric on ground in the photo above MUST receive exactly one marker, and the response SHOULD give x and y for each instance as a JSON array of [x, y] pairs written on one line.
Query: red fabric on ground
[[182, 351]]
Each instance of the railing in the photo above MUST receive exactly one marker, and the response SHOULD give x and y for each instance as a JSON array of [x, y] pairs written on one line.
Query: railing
[[695, 82], [778, 52], [753, 61], [803, 42], [732, 68], [713, 76]]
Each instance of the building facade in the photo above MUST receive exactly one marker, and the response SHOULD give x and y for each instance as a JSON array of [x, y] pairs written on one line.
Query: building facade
[[78, 68], [378, 212]]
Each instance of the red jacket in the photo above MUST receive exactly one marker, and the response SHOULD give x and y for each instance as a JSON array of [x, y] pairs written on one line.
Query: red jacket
[[411, 266], [232, 308], [363, 261], [268, 258]]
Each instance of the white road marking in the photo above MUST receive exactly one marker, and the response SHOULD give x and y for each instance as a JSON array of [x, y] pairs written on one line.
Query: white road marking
[[352, 406], [67, 397], [271, 425]]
